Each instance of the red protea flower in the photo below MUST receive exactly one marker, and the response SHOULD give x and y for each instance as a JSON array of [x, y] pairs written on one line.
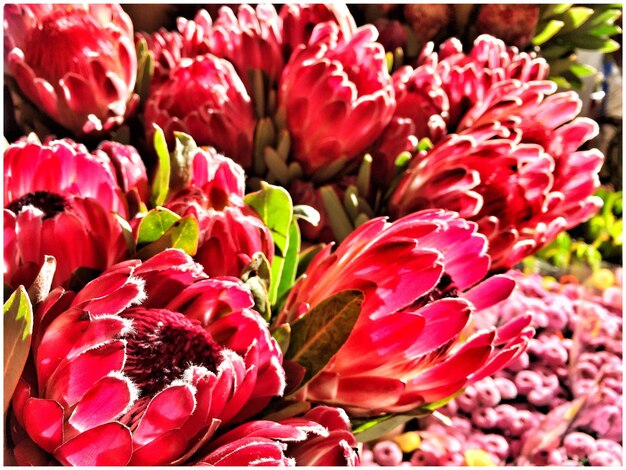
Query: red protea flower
[[144, 365], [299, 20], [445, 85], [77, 63], [251, 40], [522, 190], [514, 24], [60, 201], [230, 232], [337, 96], [204, 97], [321, 437], [409, 346]]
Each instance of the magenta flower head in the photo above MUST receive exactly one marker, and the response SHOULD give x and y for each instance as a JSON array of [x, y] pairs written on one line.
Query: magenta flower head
[[230, 232], [299, 20], [61, 201], [204, 97], [515, 169], [250, 40], [77, 63], [337, 96], [144, 365], [413, 343]]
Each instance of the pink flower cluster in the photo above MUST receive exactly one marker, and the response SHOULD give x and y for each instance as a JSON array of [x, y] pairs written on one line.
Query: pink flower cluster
[[559, 403]]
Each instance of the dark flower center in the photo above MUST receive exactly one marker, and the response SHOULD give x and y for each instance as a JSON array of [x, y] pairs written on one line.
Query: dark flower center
[[50, 204], [444, 288], [163, 345]]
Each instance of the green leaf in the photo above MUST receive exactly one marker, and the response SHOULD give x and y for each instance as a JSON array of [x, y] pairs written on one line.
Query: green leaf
[[183, 234], [574, 18], [553, 27], [290, 264], [337, 217], [375, 428], [18, 329], [182, 161], [282, 335], [258, 289], [555, 9], [154, 225], [274, 206], [307, 213], [319, 334], [594, 43], [582, 70], [257, 276], [161, 184]]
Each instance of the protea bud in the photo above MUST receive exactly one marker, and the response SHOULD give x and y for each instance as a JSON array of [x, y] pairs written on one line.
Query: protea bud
[[514, 24], [337, 96], [204, 97], [251, 40], [299, 20], [77, 63], [230, 233]]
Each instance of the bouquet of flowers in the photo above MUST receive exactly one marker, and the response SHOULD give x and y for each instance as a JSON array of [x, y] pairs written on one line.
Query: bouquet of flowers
[[260, 239]]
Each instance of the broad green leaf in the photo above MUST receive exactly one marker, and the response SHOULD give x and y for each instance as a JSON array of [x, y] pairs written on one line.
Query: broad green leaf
[[18, 328], [273, 204], [319, 334], [552, 28], [574, 18], [290, 264], [161, 183], [183, 234], [555, 9], [594, 43], [582, 70], [374, 428], [154, 225]]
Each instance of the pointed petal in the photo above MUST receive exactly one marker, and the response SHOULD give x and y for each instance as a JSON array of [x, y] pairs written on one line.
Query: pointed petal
[[109, 444]]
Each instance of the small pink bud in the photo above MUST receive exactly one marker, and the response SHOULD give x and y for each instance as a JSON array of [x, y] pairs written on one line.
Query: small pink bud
[[387, 453]]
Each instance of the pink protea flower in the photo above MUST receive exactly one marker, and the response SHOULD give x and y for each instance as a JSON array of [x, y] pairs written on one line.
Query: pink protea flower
[[204, 97], [230, 232], [321, 437], [144, 365], [251, 40], [299, 20], [87, 84], [60, 201], [410, 345], [169, 48], [337, 96], [523, 187]]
